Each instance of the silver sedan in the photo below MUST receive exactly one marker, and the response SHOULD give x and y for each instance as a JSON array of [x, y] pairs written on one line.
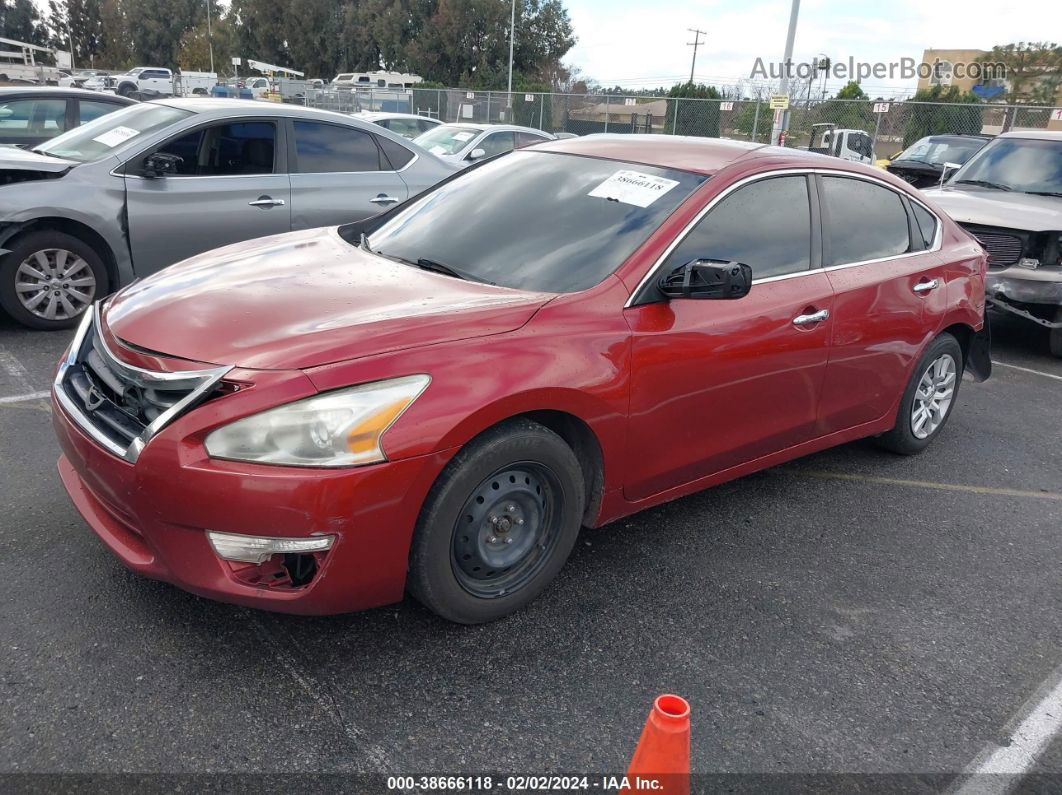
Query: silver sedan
[[461, 145], [157, 182]]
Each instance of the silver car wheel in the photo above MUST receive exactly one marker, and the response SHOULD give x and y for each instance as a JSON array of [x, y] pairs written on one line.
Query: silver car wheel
[[55, 284], [933, 396]]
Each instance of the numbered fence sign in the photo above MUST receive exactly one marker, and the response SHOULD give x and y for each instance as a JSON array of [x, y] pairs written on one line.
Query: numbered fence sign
[[1056, 114], [726, 106], [529, 97], [470, 95], [881, 107], [630, 101]]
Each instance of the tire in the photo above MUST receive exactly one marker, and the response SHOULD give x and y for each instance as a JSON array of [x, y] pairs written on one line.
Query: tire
[[909, 436], [466, 577], [126, 90], [34, 254], [1054, 339]]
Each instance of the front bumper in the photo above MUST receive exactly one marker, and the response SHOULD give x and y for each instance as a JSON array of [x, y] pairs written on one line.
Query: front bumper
[[153, 514], [1026, 285]]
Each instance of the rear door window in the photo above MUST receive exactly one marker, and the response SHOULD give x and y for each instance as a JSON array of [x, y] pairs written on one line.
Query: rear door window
[[89, 109], [32, 118], [497, 143], [927, 223], [331, 148], [397, 156], [527, 139], [866, 221]]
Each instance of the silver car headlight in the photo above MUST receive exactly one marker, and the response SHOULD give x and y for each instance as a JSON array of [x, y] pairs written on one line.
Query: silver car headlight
[[334, 429]]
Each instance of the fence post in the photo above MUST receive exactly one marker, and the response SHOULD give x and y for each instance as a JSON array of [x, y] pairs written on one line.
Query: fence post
[[488, 107], [756, 119], [877, 129], [606, 113], [674, 117], [541, 108]]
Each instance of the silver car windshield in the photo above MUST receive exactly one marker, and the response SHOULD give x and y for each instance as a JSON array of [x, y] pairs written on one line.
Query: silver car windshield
[[446, 140], [1029, 165], [101, 137]]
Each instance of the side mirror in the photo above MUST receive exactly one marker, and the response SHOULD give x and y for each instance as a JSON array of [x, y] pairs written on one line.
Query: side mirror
[[160, 164], [707, 278], [477, 153]]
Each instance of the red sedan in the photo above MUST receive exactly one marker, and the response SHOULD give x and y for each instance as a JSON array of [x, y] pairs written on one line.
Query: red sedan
[[437, 400]]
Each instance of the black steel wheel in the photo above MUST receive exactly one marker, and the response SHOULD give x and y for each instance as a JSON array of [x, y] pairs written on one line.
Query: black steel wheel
[[498, 524]]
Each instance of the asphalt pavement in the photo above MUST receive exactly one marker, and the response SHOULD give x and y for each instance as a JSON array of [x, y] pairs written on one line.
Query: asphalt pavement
[[853, 612]]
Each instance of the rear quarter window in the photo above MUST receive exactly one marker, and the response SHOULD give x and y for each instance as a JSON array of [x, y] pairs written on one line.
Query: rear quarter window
[[865, 221]]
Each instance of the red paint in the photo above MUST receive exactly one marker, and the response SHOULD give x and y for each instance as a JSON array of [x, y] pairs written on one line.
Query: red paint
[[679, 395]]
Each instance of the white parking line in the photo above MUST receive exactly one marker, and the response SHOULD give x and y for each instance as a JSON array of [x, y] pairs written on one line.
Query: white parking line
[[1028, 370], [15, 371], [999, 768], [24, 398]]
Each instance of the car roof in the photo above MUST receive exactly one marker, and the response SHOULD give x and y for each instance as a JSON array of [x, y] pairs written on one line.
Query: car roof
[[223, 106], [686, 153], [372, 115], [1040, 135], [58, 91], [503, 127]]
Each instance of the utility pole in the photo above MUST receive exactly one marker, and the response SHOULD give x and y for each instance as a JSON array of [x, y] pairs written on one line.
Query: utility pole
[[512, 37], [695, 44], [210, 38], [782, 117]]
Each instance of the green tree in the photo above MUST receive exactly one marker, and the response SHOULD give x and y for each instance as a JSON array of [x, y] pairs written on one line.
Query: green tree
[[852, 90], [1034, 70], [929, 115], [20, 20], [693, 118], [156, 27]]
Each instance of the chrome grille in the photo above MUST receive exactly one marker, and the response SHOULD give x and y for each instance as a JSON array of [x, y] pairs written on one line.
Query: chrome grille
[[1003, 249], [118, 405]]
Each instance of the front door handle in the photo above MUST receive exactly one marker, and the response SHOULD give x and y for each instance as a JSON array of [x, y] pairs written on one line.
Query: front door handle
[[383, 198], [814, 317], [266, 201], [925, 287]]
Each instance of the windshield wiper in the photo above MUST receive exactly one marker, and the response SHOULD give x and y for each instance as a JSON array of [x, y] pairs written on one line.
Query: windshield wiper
[[982, 183], [46, 154], [447, 270], [1044, 193], [364, 243]]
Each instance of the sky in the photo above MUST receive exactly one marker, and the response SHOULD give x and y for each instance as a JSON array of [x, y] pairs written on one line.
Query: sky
[[642, 43]]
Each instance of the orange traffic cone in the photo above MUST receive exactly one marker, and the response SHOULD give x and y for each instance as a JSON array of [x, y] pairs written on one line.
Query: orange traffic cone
[[663, 752]]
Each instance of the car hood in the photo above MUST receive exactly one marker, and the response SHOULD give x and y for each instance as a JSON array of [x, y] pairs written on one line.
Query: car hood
[[14, 159], [305, 299], [1010, 210]]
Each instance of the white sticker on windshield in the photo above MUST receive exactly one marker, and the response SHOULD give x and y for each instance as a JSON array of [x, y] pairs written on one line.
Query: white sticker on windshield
[[463, 136], [633, 187], [116, 136], [438, 150]]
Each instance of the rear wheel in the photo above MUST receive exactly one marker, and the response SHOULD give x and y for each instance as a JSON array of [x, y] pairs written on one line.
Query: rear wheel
[[498, 524], [49, 279], [928, 399]]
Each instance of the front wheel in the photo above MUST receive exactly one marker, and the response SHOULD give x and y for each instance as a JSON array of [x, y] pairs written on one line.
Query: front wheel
[[49, 278], [1054, 339], [498, 524], [928, 399]]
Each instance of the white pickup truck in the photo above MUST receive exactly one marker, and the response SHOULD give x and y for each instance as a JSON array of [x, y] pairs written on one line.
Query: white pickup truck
[[156, 80]]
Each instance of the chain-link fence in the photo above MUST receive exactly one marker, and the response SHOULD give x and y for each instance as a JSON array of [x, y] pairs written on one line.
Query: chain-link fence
[[891, 125]]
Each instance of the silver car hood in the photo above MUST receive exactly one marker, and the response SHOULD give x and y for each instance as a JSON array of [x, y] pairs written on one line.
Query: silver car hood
[[999, 208], [14, 159]]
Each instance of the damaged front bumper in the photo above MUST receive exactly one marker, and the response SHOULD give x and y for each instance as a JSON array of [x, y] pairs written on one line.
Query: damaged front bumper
[[1020, 285]]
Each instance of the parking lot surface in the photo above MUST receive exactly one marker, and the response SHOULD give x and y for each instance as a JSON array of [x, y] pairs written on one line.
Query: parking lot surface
[[852, 612]]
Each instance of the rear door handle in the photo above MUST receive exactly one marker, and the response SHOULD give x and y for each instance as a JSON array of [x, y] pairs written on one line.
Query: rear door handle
[[814, 317], [383, 198], [925, 287], [266, 201]]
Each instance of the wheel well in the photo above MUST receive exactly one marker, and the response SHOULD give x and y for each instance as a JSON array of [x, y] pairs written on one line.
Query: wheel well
[[964, 334], [84, 233], [578, 436]]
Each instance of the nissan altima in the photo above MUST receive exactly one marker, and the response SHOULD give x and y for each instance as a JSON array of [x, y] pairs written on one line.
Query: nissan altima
[[318, 421]]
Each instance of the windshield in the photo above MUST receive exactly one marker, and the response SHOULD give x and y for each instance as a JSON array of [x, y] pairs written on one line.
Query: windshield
[[538, 221], [938, 151], [446, 140], [102, 137], [1029, 165]]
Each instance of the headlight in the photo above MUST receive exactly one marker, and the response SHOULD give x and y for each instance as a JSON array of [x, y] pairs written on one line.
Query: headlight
[[335, 429]]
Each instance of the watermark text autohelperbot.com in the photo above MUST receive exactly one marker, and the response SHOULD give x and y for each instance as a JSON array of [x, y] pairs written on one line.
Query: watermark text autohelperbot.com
[[903, 69]]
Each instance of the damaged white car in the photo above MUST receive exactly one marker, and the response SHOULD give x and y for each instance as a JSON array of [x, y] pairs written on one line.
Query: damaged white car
[[1009, 197]]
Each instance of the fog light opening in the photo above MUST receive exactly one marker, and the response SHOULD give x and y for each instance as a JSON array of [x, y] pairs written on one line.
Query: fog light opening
[[300, 568]]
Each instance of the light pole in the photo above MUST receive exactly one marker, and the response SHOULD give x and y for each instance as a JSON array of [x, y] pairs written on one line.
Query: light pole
[[695, 44], [210, 38], [512, 36], [781, 123]]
